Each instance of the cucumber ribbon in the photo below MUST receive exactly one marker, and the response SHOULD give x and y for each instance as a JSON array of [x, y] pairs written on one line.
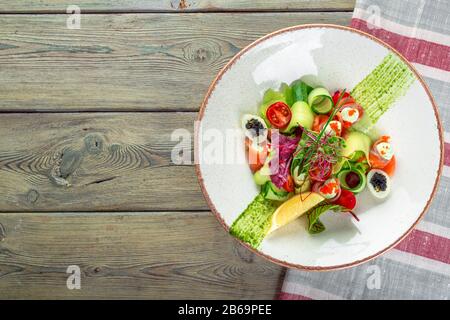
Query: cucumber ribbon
[[320, 101]]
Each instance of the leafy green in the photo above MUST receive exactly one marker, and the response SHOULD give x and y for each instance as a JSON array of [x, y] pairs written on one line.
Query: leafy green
[[286, 90], [300, 91], [314, 224], [273, 95], [361, 166], [253, 224]]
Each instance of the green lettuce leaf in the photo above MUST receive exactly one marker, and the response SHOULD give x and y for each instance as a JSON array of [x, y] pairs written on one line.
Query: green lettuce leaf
[[314, 224]]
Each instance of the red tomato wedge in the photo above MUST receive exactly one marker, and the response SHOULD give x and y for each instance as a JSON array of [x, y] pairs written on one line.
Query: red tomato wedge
[[279, 115], [345, 98], [347, 199], [319, 121], [257, 154], [289, 184]]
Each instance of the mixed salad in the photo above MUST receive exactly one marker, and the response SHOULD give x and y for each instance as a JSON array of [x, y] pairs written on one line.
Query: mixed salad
[[313, 151]]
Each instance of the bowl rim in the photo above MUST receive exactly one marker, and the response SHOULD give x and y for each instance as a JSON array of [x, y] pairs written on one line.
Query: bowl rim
[[232, 61]]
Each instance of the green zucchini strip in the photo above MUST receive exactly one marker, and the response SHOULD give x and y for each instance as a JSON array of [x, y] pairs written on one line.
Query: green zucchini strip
[[254, 223], [378, 91]]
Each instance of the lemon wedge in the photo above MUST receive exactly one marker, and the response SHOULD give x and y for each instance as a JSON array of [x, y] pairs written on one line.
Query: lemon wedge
[[294, 208]]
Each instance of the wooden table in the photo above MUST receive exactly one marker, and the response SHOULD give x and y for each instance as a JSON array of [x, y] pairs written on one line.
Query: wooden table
[[85, 143]]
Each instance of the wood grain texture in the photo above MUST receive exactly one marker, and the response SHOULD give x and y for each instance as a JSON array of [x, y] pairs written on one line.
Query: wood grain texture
[[95, 161], [172, 255], [88, 161], [175, 5], [126, 62]]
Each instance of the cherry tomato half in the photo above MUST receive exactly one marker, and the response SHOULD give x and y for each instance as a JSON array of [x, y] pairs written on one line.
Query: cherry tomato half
[[279, 115]]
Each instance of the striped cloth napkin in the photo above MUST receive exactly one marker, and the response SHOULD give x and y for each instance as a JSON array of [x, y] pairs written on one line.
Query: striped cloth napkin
[[419, 267]]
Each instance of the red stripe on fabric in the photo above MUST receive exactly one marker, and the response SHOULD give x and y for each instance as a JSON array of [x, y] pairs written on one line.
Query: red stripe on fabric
[[426, 245], [291, 296], [415, 50], [447, 154]]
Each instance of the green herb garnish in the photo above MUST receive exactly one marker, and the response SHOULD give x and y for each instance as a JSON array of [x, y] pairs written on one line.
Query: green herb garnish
[[318, 150]]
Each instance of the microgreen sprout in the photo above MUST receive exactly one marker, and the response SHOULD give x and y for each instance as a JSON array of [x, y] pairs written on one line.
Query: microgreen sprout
[[319, 151]]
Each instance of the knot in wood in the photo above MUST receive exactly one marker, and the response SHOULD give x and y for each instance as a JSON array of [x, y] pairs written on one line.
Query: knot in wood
[[70, 161], [202, 51], [180, 4], [32, 196], [93, 143]]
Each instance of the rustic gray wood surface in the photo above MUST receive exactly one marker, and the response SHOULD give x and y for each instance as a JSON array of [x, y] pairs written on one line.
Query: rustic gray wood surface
[[126, 61], [176, 5], [86, 118], [158, 255]]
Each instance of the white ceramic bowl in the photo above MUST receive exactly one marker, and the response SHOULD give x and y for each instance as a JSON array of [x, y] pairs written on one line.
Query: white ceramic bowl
[[335, 57]]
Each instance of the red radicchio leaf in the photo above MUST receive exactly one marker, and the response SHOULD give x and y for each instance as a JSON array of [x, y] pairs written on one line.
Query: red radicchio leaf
[[279, 165]]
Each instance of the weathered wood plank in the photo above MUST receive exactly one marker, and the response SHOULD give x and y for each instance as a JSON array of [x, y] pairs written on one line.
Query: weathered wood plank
[[152, 256], [175, 5], [95, 161], [126, 62]]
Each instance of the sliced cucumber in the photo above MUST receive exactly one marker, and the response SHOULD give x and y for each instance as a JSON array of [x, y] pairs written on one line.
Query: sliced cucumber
[[301, 181], [356, 145], [263, 175], [320, 101], [299, 178], [271, 192], [300, 91], [356, 141], [304, 187], [260, 177], [301, 115], [357, 155], [362, 180]]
